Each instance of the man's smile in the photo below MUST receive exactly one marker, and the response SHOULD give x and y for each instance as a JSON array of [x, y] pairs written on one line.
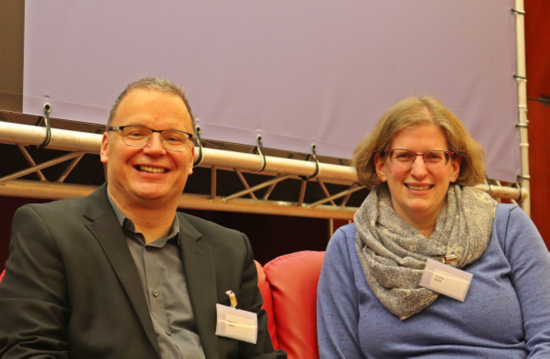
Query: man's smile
[[151, 169]]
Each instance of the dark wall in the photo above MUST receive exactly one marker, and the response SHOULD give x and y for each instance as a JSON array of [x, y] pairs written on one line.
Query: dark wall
[[272, 236], [537, 29]]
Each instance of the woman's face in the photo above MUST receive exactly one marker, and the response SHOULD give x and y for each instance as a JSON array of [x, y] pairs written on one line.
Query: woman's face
[[418, 190]]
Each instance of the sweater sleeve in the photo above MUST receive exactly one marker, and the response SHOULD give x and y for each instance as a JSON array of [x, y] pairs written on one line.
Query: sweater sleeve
[[337, 301], [530, 264]]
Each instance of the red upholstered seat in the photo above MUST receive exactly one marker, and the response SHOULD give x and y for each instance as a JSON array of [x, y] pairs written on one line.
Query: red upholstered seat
[[268, 304], [293, 281]]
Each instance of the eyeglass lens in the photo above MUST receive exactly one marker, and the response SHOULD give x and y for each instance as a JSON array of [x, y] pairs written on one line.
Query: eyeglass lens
[[139, 136], [405, 158]]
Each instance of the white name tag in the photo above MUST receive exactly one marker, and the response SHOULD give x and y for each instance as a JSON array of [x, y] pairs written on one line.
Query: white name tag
[[237, 324], [446, 280]]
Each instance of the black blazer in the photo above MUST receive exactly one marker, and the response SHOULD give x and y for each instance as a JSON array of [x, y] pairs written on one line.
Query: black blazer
[[71, 288]]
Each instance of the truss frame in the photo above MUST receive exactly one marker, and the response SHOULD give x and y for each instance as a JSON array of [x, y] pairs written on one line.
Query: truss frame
[[277, 169]]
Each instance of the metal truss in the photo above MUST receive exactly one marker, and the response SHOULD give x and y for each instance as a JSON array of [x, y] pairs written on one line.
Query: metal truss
[[251, 180]]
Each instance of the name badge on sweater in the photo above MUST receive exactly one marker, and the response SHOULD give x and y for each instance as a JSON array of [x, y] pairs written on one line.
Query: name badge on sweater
[[446, 280], [236, 324]]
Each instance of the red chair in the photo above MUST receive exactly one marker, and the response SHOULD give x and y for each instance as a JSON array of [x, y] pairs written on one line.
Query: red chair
[[292, 279], [268, 304]]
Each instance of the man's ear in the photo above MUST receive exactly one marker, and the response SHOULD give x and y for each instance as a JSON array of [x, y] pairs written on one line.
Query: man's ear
[[104, 150], [192, 160], [379, 165]]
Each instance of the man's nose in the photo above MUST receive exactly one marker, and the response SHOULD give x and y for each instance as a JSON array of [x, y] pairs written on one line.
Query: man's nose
[[155, 144]]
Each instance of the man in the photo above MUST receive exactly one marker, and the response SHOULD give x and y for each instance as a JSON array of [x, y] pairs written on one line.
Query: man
[[119, 274]]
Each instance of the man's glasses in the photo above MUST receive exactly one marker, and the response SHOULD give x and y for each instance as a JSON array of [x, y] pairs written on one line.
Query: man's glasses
[[404, 158], [139, 136]]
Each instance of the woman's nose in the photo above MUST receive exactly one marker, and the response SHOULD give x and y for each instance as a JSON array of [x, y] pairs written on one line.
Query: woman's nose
[[418, 167]]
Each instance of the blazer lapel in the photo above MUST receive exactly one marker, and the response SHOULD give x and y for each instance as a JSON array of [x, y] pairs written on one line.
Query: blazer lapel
[[198, 262], [108, 232]]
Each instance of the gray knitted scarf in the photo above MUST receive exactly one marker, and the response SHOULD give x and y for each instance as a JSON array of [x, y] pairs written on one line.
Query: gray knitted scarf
[[393, 253]]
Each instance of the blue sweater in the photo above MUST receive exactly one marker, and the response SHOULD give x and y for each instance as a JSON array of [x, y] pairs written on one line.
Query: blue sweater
[[506, 313]]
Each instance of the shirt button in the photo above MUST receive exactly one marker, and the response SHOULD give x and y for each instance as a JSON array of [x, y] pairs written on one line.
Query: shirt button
[[155, 293]]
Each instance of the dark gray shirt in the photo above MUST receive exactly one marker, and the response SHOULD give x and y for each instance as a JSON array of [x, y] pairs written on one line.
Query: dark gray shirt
[[160, 268]]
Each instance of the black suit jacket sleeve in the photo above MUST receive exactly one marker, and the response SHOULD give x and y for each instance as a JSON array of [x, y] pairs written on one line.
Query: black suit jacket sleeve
[[34, 303]]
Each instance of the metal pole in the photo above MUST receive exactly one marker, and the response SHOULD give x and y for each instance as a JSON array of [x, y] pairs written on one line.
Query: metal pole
[[521, 77]]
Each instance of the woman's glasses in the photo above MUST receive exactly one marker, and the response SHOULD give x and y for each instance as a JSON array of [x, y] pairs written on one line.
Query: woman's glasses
[[405, 158]]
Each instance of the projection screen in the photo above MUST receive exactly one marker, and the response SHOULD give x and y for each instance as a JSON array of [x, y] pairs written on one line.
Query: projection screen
[[297, 72]]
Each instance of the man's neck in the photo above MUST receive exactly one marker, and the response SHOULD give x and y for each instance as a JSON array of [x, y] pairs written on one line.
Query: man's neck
[[152, 224], [153, 221]]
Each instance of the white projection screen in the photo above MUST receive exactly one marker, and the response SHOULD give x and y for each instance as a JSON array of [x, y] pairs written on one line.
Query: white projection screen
[[297, 72]]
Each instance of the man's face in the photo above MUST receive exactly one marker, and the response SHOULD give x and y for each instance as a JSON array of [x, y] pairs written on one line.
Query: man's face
[[150, 175]]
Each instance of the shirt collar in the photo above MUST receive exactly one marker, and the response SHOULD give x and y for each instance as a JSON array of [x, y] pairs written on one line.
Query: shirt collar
[[127, 223]]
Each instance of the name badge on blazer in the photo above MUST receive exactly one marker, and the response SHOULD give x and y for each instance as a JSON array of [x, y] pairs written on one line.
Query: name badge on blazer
[[236, 323]]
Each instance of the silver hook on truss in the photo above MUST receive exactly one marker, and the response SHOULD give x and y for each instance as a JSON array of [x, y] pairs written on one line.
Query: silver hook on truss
[[47, 110], [260, 149], [517, 12], [317, 169], [199, 144]]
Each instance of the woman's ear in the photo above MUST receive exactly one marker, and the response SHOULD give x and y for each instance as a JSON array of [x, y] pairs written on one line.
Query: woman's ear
[[455, 169], [379, 165]]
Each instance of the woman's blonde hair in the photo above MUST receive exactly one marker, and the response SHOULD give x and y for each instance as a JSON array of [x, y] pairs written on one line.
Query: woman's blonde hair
[[414, 111]]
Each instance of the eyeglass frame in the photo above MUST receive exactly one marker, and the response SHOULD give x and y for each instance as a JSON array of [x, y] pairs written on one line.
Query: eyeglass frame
[[448, 155], [121, 129]]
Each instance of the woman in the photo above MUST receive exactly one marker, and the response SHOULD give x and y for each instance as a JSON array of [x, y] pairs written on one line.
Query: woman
[[421, 164]]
